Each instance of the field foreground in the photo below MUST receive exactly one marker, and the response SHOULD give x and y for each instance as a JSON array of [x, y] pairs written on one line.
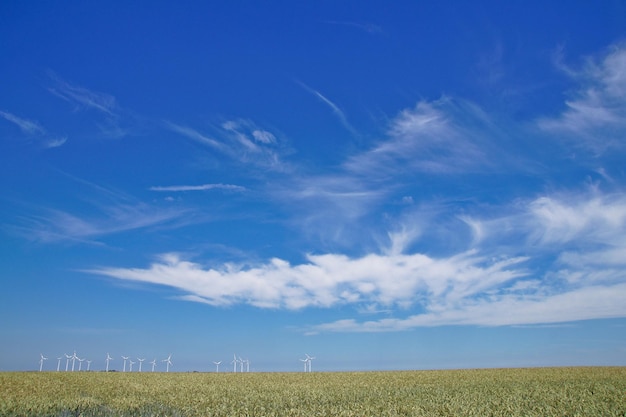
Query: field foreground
[[596, 391]]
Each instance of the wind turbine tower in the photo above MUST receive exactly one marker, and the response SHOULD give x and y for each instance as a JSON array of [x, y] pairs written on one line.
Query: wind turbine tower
[[131, 365], [74, 357], [109, 358], [80, 364], [310, 359], [234, 362], [140, 363], [168, 362], [153, 364], [88, 365], [67, 361], [43, 358], [217, 366], [59, 363], [125, 359]]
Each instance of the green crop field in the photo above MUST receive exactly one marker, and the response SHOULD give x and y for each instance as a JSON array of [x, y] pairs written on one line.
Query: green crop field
[[490, 392]]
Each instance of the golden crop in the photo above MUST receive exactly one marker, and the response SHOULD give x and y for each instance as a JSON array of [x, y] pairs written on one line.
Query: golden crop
[[490, 392]]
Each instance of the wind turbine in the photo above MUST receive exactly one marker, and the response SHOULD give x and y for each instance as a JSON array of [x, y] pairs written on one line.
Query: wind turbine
[[140, 363], [88, 365], [168, 362], [125, 359], [217, 366], [153, 364], [310, 359], [67, 361], [80, 364], [43, 358], [109, 358], [131, 365], [59, 363], [240, 364], [234, 362], [305, 361], [247, 365], [74, 357]]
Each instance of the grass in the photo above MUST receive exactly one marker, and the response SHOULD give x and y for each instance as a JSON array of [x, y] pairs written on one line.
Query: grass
[[597, 391]]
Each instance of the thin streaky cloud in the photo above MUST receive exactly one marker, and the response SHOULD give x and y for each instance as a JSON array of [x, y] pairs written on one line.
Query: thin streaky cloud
[[367, 27], [336, 110], [203, 187], [197, 136], [83, 97], [596, 114], [27, 126], [55, 143]]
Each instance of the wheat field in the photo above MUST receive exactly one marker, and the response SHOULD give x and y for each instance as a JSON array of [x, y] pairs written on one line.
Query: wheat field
[[578, 391]]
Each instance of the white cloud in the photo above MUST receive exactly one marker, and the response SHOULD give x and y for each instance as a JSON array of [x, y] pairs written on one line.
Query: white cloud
[[34, 129], [195, 135], [55, 143], [442, 137], [27, 126], [329, 280], [203, 187], [82, 97], [336, 110], [104, 213], [591, 302], [596, 114], [263, 136], [567, 265], [242, 141]]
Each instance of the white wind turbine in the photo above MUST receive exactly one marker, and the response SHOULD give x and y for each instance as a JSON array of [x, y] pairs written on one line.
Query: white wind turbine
[[131, 365], [67, 361], [140, 363], [305, 362], [74, 357], [43, 358], [59, 363], [234, 362], [217, 366], [125, 359], [153, 364], [88, 365], [310, 359], [109, 358], [168, 362], [247, 361], [80, 364], [241, 364]]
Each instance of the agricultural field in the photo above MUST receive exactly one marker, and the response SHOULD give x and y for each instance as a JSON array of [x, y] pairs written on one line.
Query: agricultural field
[[581, 391]]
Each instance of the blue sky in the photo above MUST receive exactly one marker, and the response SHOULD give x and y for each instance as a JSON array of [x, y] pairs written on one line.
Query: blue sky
[[383, 186]]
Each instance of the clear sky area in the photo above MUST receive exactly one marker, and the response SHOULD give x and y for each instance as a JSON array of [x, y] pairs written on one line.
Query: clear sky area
[[379, 185]]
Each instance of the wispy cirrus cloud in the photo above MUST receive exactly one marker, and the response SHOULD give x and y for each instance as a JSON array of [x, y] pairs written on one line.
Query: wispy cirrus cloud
[[104, 212], [27, 126], [470, 287], [241, 140], [335, 109], [202, 187], [83, 98], [442, 137], [34, 130], [196, 136], [596, 114], [364, 26]]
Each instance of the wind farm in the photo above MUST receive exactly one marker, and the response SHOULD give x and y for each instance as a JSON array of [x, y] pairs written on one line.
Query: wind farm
[[128, 365]]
